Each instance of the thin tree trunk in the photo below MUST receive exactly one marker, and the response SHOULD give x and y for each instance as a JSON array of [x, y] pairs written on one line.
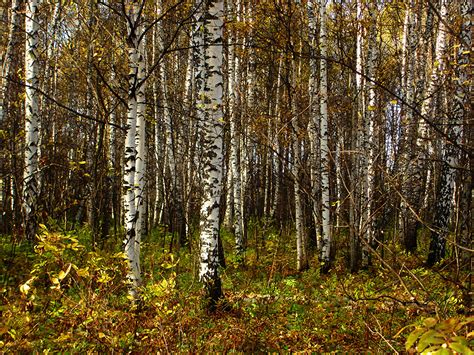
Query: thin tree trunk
[[314, 121], [325, 153], [370, 145], [12, 44], [31, 172]]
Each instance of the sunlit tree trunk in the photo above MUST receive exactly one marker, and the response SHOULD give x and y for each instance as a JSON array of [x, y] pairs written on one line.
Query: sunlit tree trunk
[[140, 139], [210, 100], [324, 144], [158, 122], [133, 15], [423, 142], [234, 159], [370, 145], [31, 173]]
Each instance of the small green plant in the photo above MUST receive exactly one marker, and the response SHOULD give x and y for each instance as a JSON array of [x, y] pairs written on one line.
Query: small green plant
[[441, 337]]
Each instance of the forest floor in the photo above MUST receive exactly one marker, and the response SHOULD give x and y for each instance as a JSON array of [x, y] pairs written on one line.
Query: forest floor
[[64, 296]]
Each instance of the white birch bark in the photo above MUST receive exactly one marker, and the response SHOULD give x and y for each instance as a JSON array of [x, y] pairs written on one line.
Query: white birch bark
[[410, 185], [325, 153], [427, 109], [210, 99], [234, 159], [130, 206], [31, 173], [369, 144], [140, 139], [158, 137], [275, 143], [450, 155], [12, 44], [314, 121], [357, 161]]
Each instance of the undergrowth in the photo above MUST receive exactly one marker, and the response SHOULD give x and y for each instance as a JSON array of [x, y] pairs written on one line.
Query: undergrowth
[[67, 296]]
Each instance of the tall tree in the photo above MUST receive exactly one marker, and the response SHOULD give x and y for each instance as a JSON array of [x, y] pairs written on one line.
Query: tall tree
[[369, 139], [324, 144], [313, 122], [31, 172], [210, 104], [450, 154], [8, 74], [8, 59], [133, 15], [409, 186], [234, 68]]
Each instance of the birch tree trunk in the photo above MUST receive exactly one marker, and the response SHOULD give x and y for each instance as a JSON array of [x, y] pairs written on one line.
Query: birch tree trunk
[[369, 145], [12, 44], [325, 153], [140, 139], [354, 207], [450, 155], [133, 16], [10, 196], [276, 156], [407, 218], [314, 121], [423, 142], [210, 100], [31, 172], [234, 159]]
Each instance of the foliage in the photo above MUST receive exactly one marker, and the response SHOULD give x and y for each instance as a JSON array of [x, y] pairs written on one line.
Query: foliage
[[442, 337], [67, 297]]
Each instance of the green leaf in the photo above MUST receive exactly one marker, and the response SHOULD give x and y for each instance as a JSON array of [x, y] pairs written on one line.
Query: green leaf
[[460, 348], [412, 337], [429, 338], [441, 351], [429, 322]]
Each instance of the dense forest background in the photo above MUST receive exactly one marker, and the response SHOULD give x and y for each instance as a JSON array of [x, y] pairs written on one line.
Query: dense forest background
[[236, 175]]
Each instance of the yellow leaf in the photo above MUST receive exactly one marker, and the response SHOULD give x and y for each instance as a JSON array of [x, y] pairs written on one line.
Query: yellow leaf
[[394, 102], [83, 272], [101, 335], [63, 274], [371, 108]]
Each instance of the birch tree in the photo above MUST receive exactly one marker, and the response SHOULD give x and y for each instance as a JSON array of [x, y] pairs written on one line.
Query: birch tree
[[313, 123], [31, 172], [409, 188], [133, 13], [428, 108], [324, 144], [450, 155], [234, 125], [368, 206], [12, 44], [210, 103]]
